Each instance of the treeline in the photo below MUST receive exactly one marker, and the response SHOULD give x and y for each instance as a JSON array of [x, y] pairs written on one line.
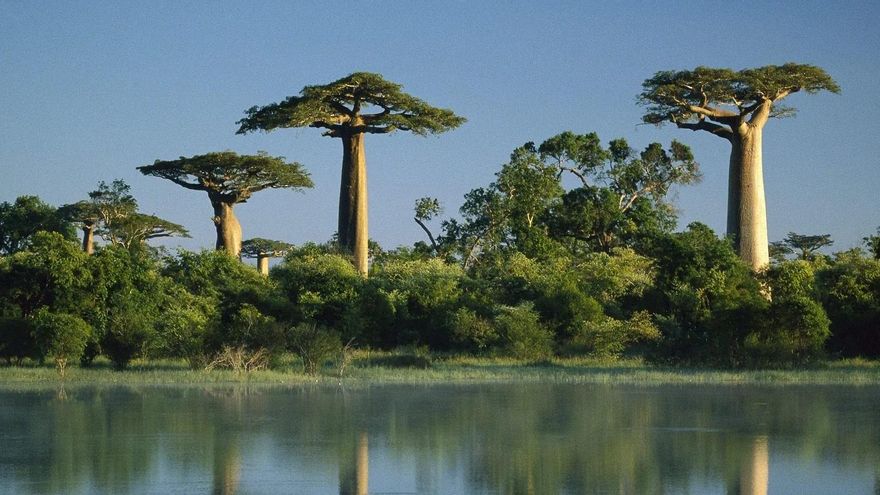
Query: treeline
[[570, 251]]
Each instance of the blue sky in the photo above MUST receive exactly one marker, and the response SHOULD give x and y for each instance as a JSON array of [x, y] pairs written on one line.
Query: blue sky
[[91, 90]]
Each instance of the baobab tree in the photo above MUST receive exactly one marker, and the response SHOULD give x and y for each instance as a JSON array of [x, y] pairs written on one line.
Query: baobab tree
[[229, 178], [734, 105], [111, 212], [359, 104], [262, 250]]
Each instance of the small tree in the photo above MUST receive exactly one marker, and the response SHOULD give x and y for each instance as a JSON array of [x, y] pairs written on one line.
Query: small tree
[[229, 179], [807, 245], [734, 105], [426, 209], [262, 250], [62, 336], [341, 108], [873, 243]]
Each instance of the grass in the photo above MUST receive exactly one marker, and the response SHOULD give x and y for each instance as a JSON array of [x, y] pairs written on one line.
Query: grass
[[372, 367]]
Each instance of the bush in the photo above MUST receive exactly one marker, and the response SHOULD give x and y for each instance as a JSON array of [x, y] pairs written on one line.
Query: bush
[[62, 336], [610, 337], [129, 331], [794, 333], [849, 289], [521, 335], [472, 332], [314, 345], [324, 287]]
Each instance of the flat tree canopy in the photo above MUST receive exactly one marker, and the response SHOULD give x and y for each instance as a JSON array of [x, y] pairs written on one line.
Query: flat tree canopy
[[349, 108], [715, 100], [339, 106], [230, 176]]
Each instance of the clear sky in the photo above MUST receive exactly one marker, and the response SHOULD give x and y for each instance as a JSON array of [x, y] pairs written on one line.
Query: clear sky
[[91, 90]]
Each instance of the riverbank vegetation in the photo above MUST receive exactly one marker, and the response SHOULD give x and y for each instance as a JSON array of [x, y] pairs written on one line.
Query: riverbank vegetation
[[570, 253]]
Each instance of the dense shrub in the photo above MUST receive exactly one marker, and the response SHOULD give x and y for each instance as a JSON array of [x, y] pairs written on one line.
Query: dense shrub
[[314, 345], [521, 334], [706, 299], [62, 336], [472, 332], [323, 287], [610, 337], [849, 288]]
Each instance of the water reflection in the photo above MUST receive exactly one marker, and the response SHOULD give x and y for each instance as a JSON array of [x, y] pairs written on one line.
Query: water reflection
[[442, 439]]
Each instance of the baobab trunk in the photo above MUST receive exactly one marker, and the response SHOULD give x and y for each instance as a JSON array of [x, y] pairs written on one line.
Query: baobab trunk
[[228, 228], [263, 264], [352, 229], [88, 243], [746, 204]]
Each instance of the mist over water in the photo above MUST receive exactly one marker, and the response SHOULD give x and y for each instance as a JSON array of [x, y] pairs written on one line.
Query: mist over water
[[499, 438]]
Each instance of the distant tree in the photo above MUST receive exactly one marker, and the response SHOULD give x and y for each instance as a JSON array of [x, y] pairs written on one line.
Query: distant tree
[[262, 250], [112, 213], [137, 228], [806, 245], [339, 107], [19, 221], [734, 105], [873, 243], [229, 179], [779, 250]]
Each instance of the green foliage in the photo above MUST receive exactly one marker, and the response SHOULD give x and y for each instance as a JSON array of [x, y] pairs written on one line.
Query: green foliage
[[849, 288], [62, 336], [796, 327], [674, 96], [609, 337], [20, 221], [324, 288], [52, 273], [183, 325], [315, 345], [472, 332], [422, 294], [622, 194], [521, 334], [231, 177], [705, 297], [246, 327], [333, 106], [259, 247]]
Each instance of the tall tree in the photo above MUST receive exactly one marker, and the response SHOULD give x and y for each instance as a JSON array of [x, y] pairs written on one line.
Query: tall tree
[[262, 250], [359, 104], [229, 179], [734, 105]]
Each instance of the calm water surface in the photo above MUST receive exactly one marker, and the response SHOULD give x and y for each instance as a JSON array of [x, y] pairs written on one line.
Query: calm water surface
[[541, 439]]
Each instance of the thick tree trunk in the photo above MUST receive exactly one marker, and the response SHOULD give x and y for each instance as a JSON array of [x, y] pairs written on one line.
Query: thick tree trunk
[[228, 228], [746, 206], [353, 230], [263, 264], [88, 243]]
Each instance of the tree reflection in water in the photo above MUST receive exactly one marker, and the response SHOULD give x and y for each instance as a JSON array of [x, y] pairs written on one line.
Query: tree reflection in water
[[440, 439]]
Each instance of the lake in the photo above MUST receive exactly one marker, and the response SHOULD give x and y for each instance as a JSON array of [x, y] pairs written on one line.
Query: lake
[[457, 439]]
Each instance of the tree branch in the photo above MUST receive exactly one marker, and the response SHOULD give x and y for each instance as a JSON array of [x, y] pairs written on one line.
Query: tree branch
[[430, 236], [711, 127]]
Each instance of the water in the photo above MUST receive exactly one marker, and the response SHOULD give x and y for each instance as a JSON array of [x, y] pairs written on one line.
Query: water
[[541, 439]]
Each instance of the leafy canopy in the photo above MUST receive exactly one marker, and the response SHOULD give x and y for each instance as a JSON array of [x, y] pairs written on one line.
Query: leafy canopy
[[230, 176], [726, 96], [259, 247], [339, 107]]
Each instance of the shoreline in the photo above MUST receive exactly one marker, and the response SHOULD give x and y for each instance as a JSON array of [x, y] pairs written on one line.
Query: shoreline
[[452, 371]]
